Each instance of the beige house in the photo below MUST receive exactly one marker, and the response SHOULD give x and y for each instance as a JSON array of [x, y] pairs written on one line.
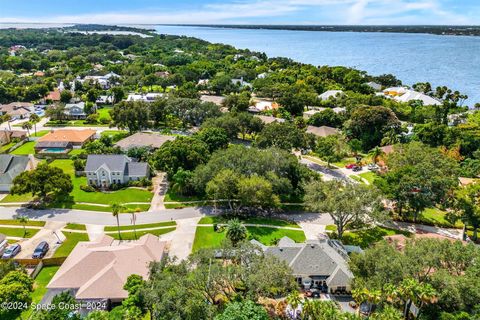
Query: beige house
[[140, 139], [323, 131], [97, 271]]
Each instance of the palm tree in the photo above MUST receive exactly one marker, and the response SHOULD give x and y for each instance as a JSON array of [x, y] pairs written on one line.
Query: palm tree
[[134, 220], [376, 153], [236, 231], [27, 126], [117, 208], [23, 220], [34, 118], [294, 299]]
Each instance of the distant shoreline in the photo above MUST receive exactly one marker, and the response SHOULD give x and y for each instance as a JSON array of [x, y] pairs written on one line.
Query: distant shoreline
[[427, 29]]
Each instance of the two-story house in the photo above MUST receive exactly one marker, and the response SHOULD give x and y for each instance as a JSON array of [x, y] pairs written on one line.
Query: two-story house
[[104, 170]]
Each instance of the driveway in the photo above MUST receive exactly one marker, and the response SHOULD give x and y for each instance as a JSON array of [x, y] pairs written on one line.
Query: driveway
[[160, 185], [181, 240], [46, 234], [327, 173]]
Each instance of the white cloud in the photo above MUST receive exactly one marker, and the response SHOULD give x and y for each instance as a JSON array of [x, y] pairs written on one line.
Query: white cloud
[[290, 11]]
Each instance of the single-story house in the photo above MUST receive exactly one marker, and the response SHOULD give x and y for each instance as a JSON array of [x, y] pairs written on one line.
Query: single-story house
[[103, 170], [63, 140], [402, 94], [327, 95], [263, 105], [323, 131], [104, 99], [10, 167], [218, 100], [320, 264], [313, 110], [75, 111], [240, 82], [17, 110], [145, 97], [140, 139], [53, 96], [375, 86], [6, 136], [269, 119], [96, 271], [162, 74], [387, 149]]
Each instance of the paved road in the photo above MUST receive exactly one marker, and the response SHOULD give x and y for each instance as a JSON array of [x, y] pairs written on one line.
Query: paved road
[[327, 173], [103, 218]]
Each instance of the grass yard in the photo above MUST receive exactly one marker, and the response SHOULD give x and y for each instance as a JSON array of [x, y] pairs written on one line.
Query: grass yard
[[7, 146], [342, 163], [365, 238], [206, 237], [25, 149], [17, 198], [18, 232], [141, 226], [78, 195], [75, 226], [74, 152], [32, 223], [434, 217], [131, 235], [39, 287], [69, 243], [171, 196], [104, 113], [252, 220], [369, 176], [331, 227], [116, 135], [39, 134]]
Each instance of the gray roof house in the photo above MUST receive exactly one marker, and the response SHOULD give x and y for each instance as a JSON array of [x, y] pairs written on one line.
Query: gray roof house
[[141, 139], [104, 170], [10, 167], [75, 110], [320, 264]]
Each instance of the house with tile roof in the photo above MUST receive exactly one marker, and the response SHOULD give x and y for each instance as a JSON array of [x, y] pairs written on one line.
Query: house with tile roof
[[98, 270], [103, 170], [320, 264], [17, 110], [64, 139], [323, 131], [10, 167]]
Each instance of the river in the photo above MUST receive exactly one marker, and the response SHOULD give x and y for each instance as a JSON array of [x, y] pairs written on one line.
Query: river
[[453, 61]]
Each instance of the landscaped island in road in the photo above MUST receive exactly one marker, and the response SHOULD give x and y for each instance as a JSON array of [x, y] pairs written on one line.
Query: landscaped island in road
[[132, 125]]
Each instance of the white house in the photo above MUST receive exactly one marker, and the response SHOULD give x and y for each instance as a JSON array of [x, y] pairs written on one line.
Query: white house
[[402, 94], [330, 94], [146, 97], [104, 170]]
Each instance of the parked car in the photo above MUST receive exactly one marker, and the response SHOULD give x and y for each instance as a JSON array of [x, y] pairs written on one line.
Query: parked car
[[41, 250], [357, 168], [312, 293], [12, 251], [350, 166], [373, 167]]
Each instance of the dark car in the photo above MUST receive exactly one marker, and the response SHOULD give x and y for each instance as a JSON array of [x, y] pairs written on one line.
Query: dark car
[[357, 168], [11, 251], [41, 250]]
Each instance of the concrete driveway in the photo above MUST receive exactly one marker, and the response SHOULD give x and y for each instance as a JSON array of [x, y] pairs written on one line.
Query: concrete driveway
[[45, 234], [160, 185], [181, 240]]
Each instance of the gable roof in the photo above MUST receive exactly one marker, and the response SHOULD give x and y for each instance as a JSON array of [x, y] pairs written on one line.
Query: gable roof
[[330, 94], [314, 258], [53, 95], [114, 162], [323, 131], [269, 119], [100, 269], [141, 139], [74, 136], [11, 166]]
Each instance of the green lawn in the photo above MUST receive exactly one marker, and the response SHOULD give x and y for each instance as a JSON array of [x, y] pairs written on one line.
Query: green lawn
[[369, 176], [75, 226], [331, 227], [39, 287], [7, 146], [34, 223], [342, 163], [75, 152], [25, 149], [141, 226], [131, 235], [78, 195], [40, 133], [69, 243], [104, 113], [74, 123], [206, 237], [116, 135], [435, 217], [365, 238], [18, 232], [252, 220]]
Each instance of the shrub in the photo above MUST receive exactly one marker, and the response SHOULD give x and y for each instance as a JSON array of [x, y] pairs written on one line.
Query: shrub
[[87, 188]]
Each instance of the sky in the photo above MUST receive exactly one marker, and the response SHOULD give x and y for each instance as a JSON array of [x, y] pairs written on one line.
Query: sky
[[369, 12]]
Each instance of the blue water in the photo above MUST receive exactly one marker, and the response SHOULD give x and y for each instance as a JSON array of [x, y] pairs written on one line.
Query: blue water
[[453, 61]]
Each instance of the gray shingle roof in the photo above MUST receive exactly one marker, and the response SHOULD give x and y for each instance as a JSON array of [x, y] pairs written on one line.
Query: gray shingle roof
[[137, 168], [141, 139], [52, 144], [314, 258], [11, 166], [115, 162]]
